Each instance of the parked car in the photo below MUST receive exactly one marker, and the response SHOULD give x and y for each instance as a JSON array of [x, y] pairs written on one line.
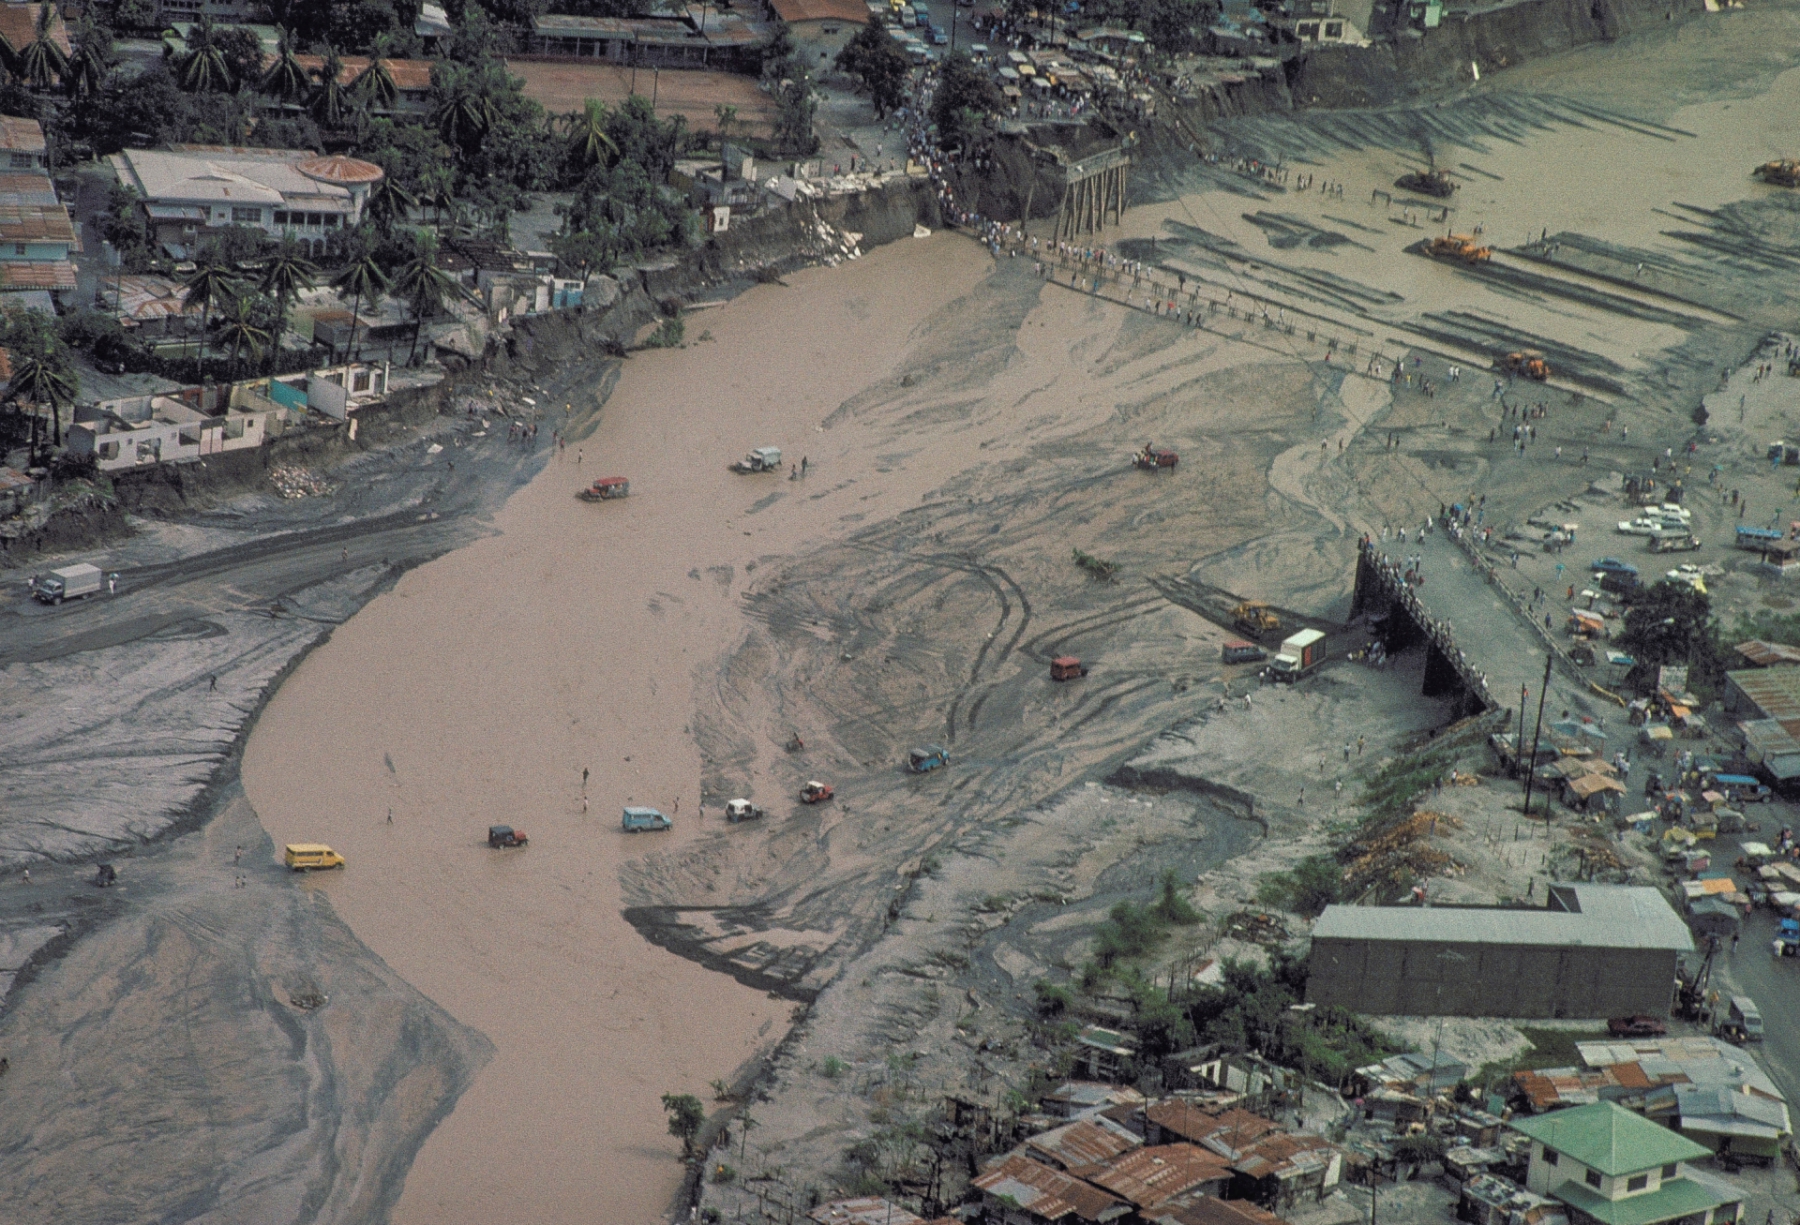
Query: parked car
[[927, 757], [1237, 651], [742, 810], [505, 835], [1612, 565], [1639, 1026]]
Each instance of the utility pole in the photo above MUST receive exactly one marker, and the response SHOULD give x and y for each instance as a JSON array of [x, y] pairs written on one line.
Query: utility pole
[[1536, 731], [1519, 744]]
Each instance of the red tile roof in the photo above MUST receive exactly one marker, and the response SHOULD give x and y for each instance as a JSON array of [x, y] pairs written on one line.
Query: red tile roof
[[409, 75], [18, 26], [1152, 1176]]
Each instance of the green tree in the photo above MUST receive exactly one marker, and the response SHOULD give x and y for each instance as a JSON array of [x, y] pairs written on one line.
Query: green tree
[[726, 115], [1670, 623], [243, 330], [686, 1117], [375, 88], [122, 223], [210, 285], [423, 285], [965, 97], [42, 62], [330, 104], [361, 279], [284, 275], [93, 59], [389, 204], [203, 68], [286, 79], [589, 141], [463, 106], [872, 58], [36, 381], [794, 110]]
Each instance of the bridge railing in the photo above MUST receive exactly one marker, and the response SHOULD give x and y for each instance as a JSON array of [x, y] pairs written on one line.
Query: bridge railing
[[1389, 573]]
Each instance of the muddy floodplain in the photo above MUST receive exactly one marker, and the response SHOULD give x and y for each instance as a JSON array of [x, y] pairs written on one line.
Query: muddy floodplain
[[447, 1033]]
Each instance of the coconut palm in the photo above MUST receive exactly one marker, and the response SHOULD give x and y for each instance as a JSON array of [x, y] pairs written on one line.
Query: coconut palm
[[210, 284], [331, 101], [465, 111], [424, 286], [375, 88], [589, 142], [93, 60], [286, 78], [389, 203], [204, 68], [284, 275], [42, 62], [241, 329], [726, 115], [362, 278], [36, 381]]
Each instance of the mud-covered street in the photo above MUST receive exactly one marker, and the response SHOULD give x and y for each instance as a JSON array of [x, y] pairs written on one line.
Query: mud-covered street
[[446, 1033]]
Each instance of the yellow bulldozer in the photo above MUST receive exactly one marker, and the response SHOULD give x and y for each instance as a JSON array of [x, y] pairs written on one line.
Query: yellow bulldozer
[[1527, 363], [1784, 173], [1255, 618], [1459, 246]]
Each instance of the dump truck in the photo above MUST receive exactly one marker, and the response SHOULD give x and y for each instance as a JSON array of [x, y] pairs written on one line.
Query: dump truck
[[1462, 247], [1526, 363], [1255, 618], [760, 459], [1784, 172], [1153, 457], [68, 583], [1300, 653], [1067, 668], [815, 792], [742, 810], [606, 489]]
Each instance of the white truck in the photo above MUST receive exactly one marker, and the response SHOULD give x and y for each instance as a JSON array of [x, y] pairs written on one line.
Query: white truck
[[1300, 653], [68, 583]]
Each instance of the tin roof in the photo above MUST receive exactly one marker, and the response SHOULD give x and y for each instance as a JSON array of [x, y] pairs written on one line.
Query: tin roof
[[1085, 1142], [27, 188], [1206, 1210], [1607, 916], [1152, 1176], [868, 1210], [32, 222], [1048, 1194], [1284, 1155], [791, 11], [1610, 1139], [1767, 654], [1190, 1122], [1775, 692], [18, 135], [54, 274]]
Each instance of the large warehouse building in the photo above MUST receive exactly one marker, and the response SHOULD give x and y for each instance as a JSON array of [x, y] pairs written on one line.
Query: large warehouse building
[[1592, 951]]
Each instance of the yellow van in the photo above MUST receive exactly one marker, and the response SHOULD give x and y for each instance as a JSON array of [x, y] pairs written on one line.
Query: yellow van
[[306, 856]]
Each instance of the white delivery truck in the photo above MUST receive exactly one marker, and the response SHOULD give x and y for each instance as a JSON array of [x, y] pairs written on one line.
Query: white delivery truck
[[1300, 653], [68, 583]]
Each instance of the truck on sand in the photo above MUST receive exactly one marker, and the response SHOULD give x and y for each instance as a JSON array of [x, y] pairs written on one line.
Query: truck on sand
[[68, 583], [1299, 654]]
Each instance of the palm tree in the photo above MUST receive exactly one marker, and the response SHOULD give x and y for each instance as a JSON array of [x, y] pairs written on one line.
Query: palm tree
[[286, 78], [204, 68], [42, 62], [210, 284], [588, 139], [330, 103], [388, 203], [363, 278], [375, 88], [286, 273], [241, 329], [424, 285], [36, 381], [93, 59], [440, 195], [465, 111]]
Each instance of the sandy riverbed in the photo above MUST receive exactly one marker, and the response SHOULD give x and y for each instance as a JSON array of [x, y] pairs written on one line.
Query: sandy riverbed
[[483, 685]]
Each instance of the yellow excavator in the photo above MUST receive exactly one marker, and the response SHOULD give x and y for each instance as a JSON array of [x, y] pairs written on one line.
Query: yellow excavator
[[1527, 363], [1459, 246], [1255, 618]]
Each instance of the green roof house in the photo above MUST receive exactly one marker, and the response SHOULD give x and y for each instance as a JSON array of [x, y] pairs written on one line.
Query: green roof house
[[1609, 1166]]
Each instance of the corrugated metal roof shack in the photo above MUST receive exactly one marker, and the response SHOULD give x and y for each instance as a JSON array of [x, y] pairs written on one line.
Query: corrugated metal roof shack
[[1592, 951]]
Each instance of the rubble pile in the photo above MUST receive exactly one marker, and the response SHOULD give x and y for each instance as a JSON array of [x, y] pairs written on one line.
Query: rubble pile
[[295, 481], [1255, 927], [1400, 853]]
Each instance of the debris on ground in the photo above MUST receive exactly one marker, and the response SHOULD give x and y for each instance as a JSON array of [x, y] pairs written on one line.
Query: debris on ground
[[1256, 927], [295, 481]]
